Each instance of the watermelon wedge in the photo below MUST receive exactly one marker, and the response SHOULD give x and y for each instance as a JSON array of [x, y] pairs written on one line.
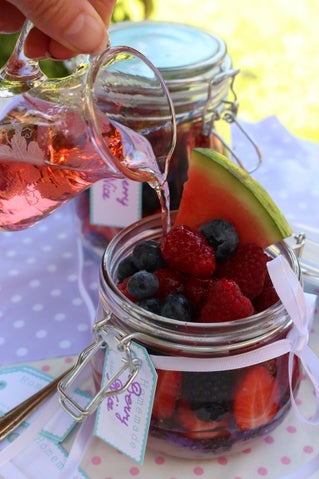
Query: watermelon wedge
[[218, 188]]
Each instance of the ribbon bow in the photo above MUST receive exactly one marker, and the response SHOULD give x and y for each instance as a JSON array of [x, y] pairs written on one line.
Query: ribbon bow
[[293, 298]]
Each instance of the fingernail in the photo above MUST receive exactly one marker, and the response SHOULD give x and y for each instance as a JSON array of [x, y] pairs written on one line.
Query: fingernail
[[87, 34]]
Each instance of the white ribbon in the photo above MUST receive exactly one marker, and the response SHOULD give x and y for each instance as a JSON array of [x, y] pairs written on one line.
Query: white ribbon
[[293, 298]]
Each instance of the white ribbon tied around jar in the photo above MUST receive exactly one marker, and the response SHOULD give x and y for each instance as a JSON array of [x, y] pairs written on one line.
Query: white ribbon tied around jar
[[300, 307]]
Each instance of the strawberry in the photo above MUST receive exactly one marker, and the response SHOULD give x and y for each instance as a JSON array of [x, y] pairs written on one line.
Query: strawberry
[[196, 428], [225, 302], [256, 399], [170, 281], [247, 266], [167, 393], [187, 251]]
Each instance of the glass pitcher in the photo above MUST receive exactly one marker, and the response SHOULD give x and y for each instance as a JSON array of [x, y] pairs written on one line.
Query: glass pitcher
[[112, 117]]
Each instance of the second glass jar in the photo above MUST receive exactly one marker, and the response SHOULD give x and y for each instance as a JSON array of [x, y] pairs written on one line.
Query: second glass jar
[[198, 72]]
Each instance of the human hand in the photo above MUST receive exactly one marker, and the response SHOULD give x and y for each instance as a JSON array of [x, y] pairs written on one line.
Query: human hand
[[62, 28]]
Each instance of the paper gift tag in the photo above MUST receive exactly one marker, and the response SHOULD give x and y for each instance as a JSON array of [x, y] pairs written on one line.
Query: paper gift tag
[[19, 383], [42, 458], [123, 420], [115, 202]]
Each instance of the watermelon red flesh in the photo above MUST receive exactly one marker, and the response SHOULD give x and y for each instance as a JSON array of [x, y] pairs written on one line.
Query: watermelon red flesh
[[218, 188]]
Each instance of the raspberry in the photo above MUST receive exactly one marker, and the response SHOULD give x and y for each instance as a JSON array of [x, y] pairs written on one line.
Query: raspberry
[[196, 290], [247, 267], [170, 281], [187, 251], [267, 298], [225, 302]]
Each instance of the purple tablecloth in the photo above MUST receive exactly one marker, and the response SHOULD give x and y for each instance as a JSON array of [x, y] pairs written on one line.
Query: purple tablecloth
[[49, 283]]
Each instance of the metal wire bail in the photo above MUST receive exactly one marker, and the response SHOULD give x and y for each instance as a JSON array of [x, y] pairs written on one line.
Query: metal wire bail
[[227, 111], [105, 337]]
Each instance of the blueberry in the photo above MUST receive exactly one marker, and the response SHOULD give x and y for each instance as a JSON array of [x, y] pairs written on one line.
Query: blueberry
[[142, 284], [222, 236], [176, 306], [150, 304], [126, 268], [147, 255]]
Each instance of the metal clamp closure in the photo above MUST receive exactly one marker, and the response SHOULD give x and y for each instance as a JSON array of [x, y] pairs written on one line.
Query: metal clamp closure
[[106, 336], [226, 110]]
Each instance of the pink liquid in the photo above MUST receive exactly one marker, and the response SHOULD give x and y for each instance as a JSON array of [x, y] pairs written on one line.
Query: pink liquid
[[47, 157]]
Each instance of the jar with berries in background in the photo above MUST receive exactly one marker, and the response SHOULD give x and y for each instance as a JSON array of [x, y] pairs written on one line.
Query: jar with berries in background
[[198, 72]]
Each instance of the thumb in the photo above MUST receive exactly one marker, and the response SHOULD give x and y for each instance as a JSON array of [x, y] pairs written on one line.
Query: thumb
[[75, 24]]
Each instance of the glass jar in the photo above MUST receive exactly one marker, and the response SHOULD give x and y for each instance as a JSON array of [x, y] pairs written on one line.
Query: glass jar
[[198, 72], [204, 419]]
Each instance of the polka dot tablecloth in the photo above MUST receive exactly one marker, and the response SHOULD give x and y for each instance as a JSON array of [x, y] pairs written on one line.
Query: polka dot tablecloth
[[279, 454], [49, 283], [49, 294], [45, 310]]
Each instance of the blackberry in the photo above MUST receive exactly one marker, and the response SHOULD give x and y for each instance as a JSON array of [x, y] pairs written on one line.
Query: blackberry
[[222, 236], [209, 393], [147, 256], [126, 268], [176, 306], [142, 284], [150, 304]]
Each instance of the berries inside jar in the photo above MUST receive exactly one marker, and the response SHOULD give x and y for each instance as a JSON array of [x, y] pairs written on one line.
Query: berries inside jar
[[200, 275]]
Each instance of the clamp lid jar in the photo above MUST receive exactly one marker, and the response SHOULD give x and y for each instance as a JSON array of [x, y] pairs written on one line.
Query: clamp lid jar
[[198, 72]]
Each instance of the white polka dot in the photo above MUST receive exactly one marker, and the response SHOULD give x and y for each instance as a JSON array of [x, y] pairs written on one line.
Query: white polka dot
[[31, 260], [47, 248], [52, 268], [77, 301], [88, 262], [27, 240], [64, 344], [94, 285], [2, 340], [14, 272], [22, 352], [62, 236], [16, 298], [67, 255], [37, 307], [42, 333], [11, 253], [60, 317], [56, 292], [82, 327], [34, 283], [43, 228], [72, 278], [18, 324]]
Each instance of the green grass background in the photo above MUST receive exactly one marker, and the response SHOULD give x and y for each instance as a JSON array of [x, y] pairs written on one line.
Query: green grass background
[[275, 44]]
